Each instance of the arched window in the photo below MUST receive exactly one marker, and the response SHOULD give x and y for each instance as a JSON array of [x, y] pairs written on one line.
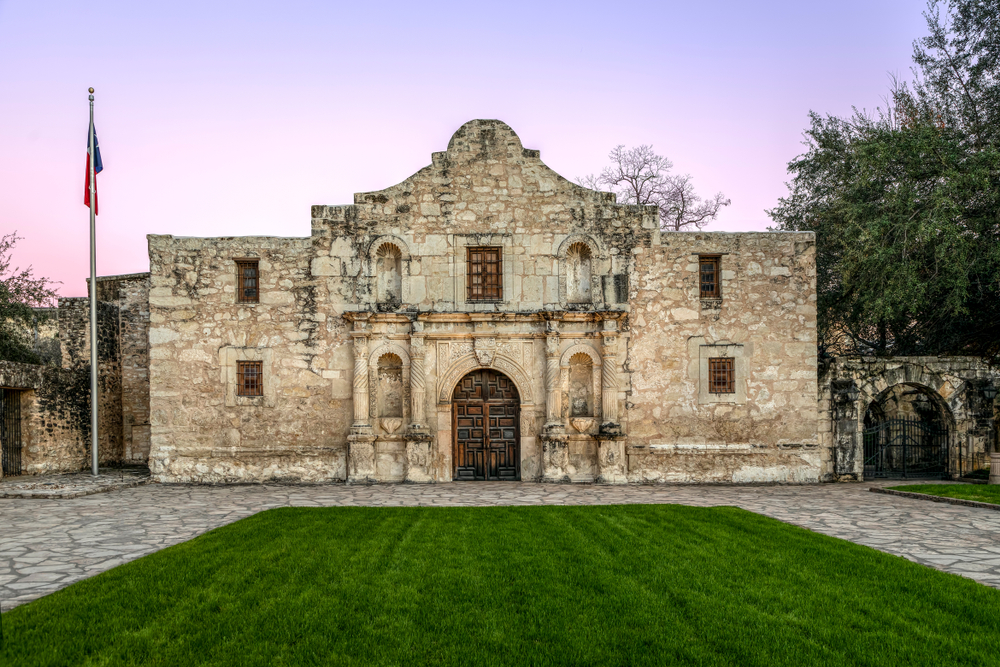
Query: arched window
[[578, 274], [389, 275]]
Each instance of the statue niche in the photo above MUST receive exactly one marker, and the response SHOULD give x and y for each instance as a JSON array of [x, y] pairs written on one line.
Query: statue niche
[[579, 263], [390, 392], [388, 277], [581, 386]]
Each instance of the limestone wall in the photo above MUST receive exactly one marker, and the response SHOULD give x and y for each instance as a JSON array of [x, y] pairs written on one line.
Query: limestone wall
[[202, 431], [766, 320], [74, 337], [54, 404], [130, 296]]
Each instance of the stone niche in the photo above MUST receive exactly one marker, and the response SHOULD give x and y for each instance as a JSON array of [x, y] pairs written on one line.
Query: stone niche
[[390, 379], [579, 274], [580, 383], [388, 276]]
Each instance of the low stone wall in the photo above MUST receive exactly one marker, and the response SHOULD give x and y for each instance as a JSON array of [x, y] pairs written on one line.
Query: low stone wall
[[55, 409]]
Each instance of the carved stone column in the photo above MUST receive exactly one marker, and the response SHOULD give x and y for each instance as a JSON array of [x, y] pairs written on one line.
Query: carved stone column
[[555, 452], [418, 439], [609, 373], [418, 383], [362, 410], [553, 408], [360, 442], [612, 465]]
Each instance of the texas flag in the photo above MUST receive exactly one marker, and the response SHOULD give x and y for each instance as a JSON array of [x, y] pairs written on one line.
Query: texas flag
[[98, 166]]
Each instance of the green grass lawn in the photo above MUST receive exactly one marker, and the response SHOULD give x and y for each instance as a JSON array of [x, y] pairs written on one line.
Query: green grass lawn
[[618, 585], [984, 493]]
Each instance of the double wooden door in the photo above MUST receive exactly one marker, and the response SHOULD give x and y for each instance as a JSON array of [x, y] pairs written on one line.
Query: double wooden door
[[485, 417]]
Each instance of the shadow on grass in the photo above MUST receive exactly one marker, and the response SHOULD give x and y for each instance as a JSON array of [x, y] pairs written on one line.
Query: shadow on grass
[[609, 585]]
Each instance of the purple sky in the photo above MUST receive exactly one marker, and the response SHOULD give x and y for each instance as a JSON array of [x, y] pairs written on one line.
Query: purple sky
[[232, 118]]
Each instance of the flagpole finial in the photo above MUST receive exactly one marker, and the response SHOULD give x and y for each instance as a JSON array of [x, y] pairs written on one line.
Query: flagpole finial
[[90, 90]]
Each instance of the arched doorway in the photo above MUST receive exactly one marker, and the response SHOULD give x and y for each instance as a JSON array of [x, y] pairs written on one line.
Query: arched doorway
[[485, 425], [906, 434]]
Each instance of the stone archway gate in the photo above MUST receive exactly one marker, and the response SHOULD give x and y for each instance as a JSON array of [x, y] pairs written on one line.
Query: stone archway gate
[[956, 382]]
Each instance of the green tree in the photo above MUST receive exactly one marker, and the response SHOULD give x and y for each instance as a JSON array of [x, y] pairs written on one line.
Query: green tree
[[905, 202], [20, 294]]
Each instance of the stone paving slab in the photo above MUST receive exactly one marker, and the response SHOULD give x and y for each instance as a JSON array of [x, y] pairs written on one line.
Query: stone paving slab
[[47, 544], [73, 485]]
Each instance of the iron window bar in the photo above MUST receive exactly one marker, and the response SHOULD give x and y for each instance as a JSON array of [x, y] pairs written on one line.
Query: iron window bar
[[709, 276], [249, 378], [721, 375], [248, 281]]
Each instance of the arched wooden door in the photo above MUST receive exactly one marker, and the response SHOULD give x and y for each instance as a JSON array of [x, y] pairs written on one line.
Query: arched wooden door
[[485, 432]]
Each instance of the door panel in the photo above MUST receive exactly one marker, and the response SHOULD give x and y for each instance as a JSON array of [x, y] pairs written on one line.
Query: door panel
[[470, 434], [486, 418]]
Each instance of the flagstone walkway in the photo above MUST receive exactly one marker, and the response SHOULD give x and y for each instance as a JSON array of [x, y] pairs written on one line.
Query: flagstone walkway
[[47, 544]]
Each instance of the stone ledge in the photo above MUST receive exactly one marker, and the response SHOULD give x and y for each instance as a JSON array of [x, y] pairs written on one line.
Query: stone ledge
[[936, 499]]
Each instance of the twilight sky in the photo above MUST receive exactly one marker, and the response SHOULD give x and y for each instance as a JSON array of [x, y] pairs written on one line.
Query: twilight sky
[[233, 118]]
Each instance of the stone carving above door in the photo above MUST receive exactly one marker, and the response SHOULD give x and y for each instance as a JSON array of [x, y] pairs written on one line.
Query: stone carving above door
[[485, 349], [460, 367]]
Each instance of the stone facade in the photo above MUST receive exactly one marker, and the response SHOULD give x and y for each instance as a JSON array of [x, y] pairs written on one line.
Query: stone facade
[[364, 330]]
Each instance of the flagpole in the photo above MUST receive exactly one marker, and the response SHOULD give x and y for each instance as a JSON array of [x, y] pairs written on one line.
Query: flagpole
[[93, 294]]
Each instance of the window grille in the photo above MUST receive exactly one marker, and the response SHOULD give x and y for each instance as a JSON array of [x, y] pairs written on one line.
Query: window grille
[[709, 277], [721, 376], [249, 378], [247, 281], [484, 274]]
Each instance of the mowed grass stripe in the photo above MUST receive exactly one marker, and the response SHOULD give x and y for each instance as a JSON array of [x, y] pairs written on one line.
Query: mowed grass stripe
[[607, 585]]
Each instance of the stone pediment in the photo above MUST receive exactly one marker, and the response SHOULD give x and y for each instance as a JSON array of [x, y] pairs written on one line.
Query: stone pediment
[[492, 151], [485, 181]]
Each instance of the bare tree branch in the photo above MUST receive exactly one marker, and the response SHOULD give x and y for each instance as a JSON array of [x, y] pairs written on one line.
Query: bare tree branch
[[640, 176]]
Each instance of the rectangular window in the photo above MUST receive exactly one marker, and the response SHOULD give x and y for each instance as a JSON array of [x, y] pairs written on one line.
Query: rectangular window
[[721, 378], [249, 378], [247, 281], [484, 274], [709, 271]]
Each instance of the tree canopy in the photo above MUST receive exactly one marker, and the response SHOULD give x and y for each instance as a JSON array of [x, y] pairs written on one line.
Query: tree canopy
[[20, 293], [905, 201]]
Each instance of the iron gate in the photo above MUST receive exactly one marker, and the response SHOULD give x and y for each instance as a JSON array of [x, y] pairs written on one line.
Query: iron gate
[[905, 448], [10, 431]]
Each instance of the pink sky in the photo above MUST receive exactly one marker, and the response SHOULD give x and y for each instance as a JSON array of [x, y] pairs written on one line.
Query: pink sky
[[233, 118]]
